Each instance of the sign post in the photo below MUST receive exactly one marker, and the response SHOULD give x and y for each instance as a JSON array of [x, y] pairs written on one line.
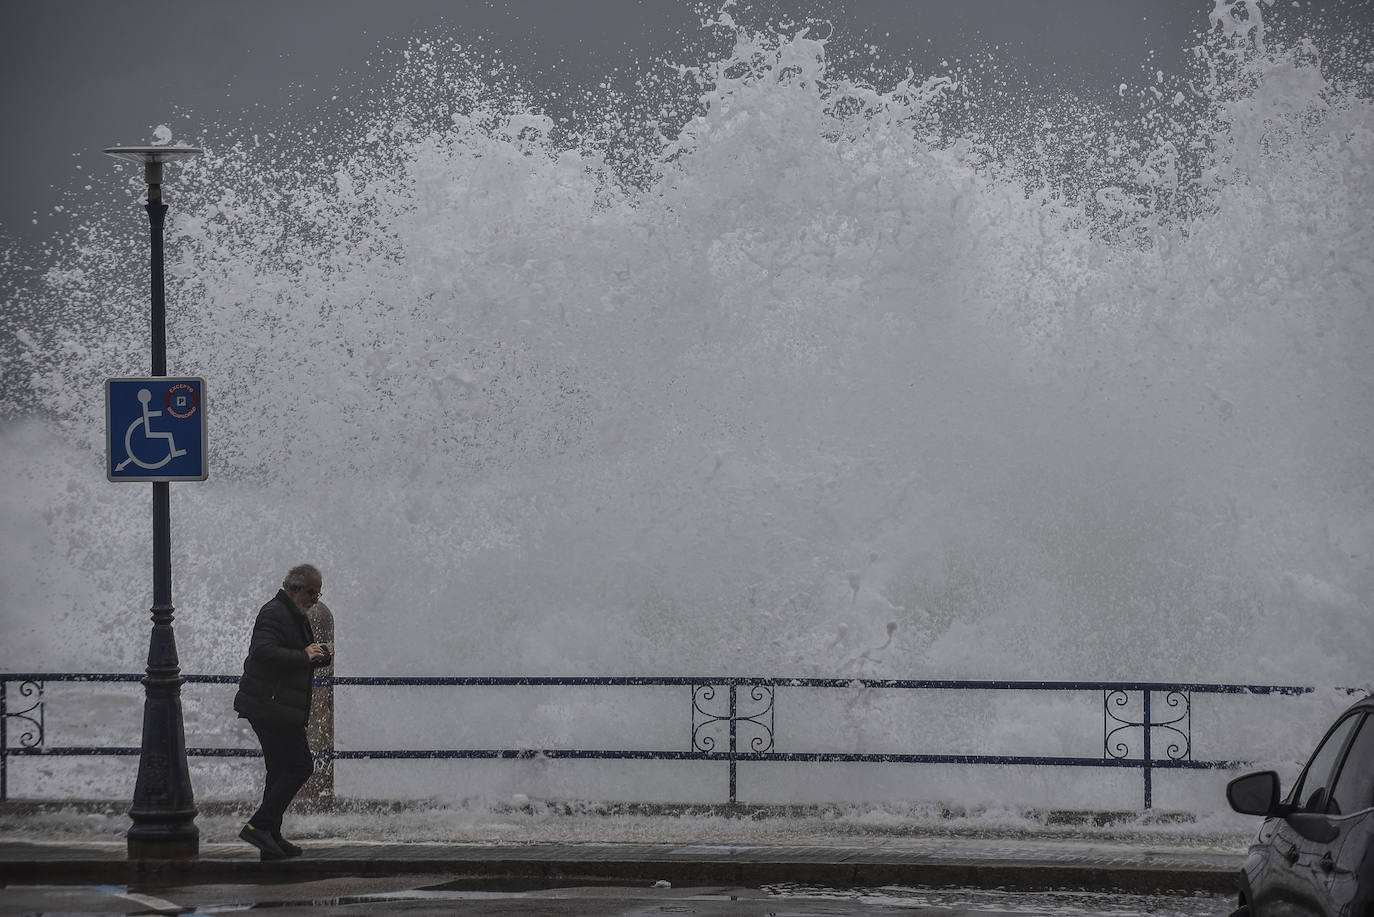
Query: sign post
[[154, 417]]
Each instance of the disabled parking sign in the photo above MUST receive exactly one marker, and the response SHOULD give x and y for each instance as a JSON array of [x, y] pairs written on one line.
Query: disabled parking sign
[[155, 429]]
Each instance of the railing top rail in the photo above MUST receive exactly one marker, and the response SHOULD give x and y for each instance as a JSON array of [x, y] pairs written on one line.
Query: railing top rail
[[723, 680], [752, 681]]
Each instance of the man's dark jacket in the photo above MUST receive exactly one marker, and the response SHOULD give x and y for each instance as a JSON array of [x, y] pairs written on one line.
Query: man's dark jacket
[[277, 674]]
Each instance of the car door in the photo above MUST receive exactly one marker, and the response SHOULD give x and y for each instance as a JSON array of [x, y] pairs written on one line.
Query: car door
[[1349, 871], [1304, 838]]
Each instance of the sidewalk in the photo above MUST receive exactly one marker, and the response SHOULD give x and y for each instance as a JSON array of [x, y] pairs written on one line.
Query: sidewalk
[[981, 862]]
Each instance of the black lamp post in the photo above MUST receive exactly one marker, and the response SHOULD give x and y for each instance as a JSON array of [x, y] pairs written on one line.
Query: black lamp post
[[164, 807]]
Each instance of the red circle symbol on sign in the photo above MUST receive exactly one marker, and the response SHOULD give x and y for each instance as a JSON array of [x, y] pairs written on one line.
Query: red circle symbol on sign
[[181, 401]]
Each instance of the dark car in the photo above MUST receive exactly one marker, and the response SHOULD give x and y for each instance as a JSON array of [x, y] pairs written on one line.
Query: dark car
[[1315, 851]]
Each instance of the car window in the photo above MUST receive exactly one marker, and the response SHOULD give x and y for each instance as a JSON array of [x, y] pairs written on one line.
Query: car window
[[1354, 788], [1312, 791]]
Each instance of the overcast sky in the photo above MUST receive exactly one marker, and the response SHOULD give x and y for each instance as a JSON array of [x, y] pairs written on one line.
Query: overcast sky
[[80, 75]]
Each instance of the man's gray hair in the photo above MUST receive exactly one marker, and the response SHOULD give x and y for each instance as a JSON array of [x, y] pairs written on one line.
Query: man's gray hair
[[301, 576]]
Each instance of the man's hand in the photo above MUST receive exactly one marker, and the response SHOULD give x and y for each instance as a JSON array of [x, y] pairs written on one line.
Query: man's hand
[[317, 651]]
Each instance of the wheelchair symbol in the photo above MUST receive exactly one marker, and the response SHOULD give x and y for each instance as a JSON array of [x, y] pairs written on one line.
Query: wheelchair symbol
[[145, 396]]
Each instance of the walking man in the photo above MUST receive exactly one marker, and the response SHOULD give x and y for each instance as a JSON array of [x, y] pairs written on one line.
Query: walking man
[[274, 696]]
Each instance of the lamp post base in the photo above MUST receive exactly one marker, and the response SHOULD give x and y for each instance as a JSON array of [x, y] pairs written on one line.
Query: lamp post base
[[164, 806], [164, 846]]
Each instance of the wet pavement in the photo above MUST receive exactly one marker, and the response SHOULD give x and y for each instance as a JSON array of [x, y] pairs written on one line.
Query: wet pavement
[[74, 860], [1002, 863]]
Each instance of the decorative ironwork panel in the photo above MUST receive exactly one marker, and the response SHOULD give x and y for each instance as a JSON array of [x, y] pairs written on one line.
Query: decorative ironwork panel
[[31, 732], [1124, 725], [757, 736], [737, 719], [1178, 730]]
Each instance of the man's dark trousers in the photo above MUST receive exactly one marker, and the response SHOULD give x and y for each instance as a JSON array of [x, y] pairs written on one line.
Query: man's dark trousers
[[289, 765]]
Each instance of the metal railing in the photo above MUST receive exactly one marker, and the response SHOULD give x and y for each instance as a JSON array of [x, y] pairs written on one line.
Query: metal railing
[[1145, 725]]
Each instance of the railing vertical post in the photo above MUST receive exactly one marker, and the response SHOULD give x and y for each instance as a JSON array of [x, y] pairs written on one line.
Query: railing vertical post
[[733, 746], [4, 740], [1147, 753]]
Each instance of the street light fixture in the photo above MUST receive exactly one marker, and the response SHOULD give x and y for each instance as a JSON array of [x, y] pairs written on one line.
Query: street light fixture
[[164, 807]]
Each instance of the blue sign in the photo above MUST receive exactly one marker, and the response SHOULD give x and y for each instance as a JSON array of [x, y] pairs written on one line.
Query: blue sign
[[155, 429]]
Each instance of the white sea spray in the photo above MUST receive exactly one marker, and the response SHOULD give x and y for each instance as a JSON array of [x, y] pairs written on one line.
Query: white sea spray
[[806, 377]]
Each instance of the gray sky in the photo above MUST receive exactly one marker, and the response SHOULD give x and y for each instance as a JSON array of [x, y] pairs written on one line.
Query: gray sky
[[79, 75]]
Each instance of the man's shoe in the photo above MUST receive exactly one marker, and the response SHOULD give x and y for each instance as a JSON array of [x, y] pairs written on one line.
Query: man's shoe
[[287, 848], [263, 841]]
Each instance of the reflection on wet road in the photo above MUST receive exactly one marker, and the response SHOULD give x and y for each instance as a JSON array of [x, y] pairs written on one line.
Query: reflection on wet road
[[435, 895]]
